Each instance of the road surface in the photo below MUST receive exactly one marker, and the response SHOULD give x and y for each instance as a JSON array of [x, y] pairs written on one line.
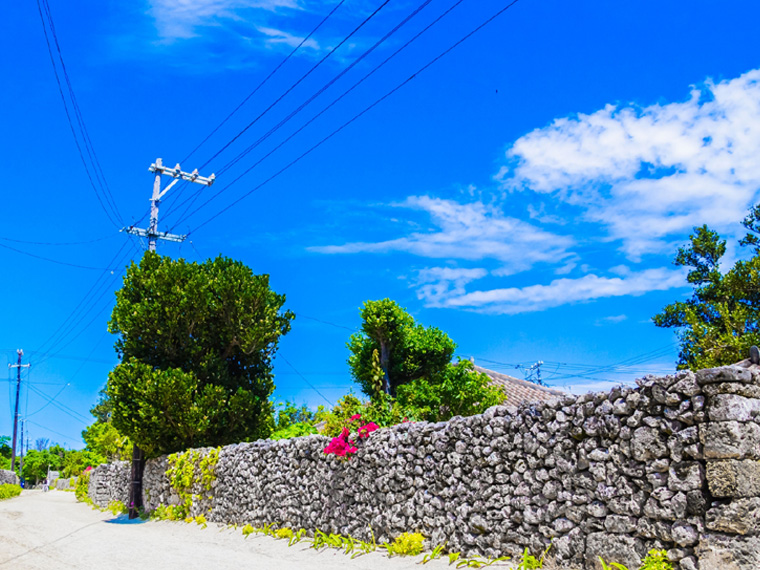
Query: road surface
[[43, 531]]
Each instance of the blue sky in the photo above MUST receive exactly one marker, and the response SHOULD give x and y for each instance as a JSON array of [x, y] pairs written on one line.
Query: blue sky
[[525, 193]]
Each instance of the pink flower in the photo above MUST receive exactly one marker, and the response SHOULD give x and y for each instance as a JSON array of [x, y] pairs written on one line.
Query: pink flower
[[355, 417], [365, 430]]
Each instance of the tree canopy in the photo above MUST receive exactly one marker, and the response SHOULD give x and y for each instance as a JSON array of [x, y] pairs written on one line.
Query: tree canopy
[[457, 390], [406, 370], [393, 350], [721, 320], [196, 342]]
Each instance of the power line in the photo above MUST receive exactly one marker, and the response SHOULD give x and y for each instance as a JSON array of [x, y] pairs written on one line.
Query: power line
[[87, 142], [347, 123], [335, 101], [266, 79], [85, 297], [50, 401], [70, 323], [326, 86], [110, 236], [298, 82], [50, 260], [55, 432], [305, 380], [62, 407], [302, 316]]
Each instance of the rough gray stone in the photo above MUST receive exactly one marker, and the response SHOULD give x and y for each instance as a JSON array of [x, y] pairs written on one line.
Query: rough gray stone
[[730, 440], [734, 478]]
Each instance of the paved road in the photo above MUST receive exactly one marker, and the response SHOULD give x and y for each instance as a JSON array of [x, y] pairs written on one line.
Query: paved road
[[44, 531]]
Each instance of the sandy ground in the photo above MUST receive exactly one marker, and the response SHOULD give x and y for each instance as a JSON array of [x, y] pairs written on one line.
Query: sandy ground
[[52, 531]]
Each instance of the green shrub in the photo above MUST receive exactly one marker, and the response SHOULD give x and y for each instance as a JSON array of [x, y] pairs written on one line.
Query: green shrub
[[406, 544], [117, 508], [656, 560], [82, 489], [8, 490], [294, 430]]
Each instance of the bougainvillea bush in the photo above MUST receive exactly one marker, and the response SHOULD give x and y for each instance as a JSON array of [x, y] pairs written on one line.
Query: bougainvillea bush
[[344, 445]]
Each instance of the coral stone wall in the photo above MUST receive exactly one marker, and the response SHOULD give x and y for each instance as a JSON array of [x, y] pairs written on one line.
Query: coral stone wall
[[670, 464], [110, 482], [8, 477]]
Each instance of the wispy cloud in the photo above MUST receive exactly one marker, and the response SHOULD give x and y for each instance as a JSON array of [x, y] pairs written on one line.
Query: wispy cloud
[[625, 181], [182, 19], [278, 37], [471, 231], [611, 320], [648, 174], [514, 300]]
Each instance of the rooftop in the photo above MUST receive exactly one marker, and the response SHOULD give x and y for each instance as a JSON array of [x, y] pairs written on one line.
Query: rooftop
[[519, 391]]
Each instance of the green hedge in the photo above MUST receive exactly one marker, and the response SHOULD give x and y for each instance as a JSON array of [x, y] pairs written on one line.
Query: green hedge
[[7, 491]]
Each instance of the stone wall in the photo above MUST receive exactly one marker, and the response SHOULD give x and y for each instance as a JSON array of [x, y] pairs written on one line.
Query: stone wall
[[731, 440], [110, 482], [670, 464], [7, 476], [65, 484]]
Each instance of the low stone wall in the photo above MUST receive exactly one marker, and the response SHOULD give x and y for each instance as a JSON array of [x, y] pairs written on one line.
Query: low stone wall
[[671, 464], [63, 484], [110, 482], [7, 476]]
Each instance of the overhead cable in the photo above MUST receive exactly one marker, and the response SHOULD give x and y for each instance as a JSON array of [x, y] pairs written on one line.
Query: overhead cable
[[92, 168], [298, 82], [347, 123], [266, 79], [325, 87]]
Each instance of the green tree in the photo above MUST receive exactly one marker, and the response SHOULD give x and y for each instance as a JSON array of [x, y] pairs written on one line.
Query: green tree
[[78, 460], [289, 414], [37, 463], [458, 390], [196, 343], [103, 440], [721, 320], [393, 350], [5, 452]]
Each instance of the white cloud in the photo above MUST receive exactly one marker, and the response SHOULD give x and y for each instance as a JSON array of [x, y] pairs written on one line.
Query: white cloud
[[611, 320], [472, 231], [514, 300], [180, 19], [444, 282], [648, 175], [277, 37]]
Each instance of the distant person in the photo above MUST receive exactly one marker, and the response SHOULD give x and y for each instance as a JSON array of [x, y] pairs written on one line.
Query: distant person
[[45, 485]]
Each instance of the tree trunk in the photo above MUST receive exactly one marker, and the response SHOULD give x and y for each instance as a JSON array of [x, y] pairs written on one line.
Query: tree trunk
[[384, 358], [135, 487]]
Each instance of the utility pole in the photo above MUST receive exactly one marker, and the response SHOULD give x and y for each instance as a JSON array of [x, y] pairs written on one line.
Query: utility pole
[[159, 169], [21, 455], [18, 366], [531, 370], [153, 235]]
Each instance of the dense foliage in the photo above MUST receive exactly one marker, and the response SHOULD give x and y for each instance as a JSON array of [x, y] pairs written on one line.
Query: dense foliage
[[458, 390], [406, 370], [393, 350], [721, 320], [197, 343], [5, 452], [8, 490]]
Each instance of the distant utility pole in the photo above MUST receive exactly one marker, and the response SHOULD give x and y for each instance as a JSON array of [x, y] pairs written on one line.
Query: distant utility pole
[[21, 454], [152, 232], [533, 372], [18, 366]]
